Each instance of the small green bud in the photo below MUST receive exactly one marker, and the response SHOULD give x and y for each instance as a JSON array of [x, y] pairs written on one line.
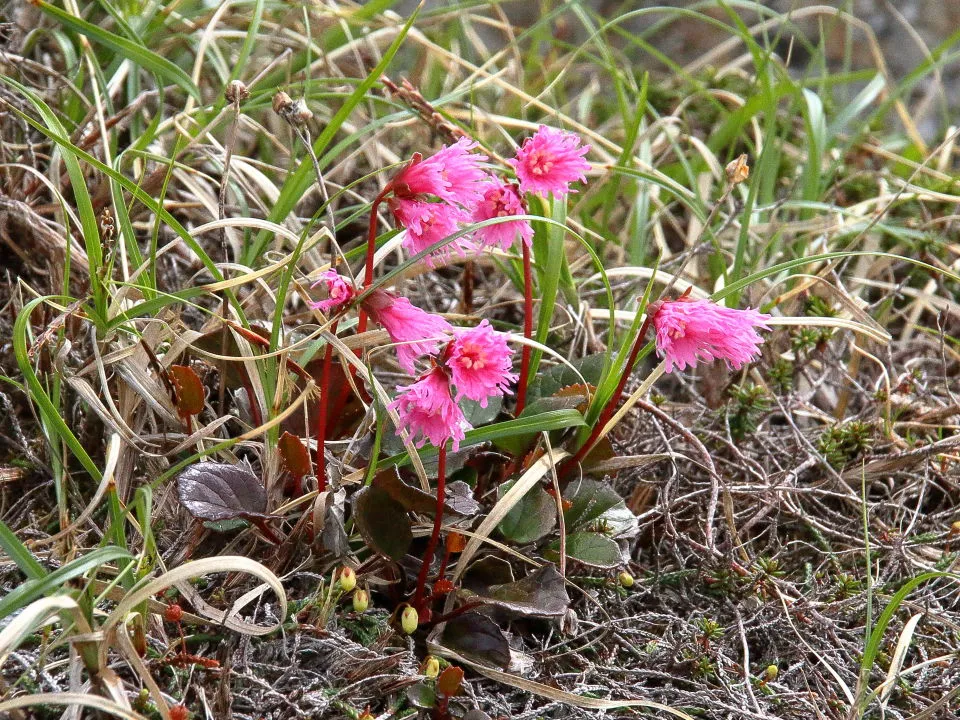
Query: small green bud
[[348, 579], [770, 674], [409, 620], [626, 579], [431, 667], [361, 601]]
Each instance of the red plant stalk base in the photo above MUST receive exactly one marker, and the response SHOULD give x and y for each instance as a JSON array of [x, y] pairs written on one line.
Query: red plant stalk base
[[371, 251], [527, 330], [322, 413], [435, 536]]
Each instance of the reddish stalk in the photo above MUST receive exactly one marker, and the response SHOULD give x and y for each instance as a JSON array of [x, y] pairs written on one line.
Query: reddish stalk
[[437, 519], [466, 607], [322, 413], [527, 329], [444, 561], [612, 403], [371, 250]]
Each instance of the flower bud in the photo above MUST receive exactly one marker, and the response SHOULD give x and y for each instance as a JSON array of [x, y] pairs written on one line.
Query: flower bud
[[738, 170], [409, 620], [361, 601], [626, 579], [236, 92], [300, 113], [431, 667], [282, 103], [770, 674], [348, 579]]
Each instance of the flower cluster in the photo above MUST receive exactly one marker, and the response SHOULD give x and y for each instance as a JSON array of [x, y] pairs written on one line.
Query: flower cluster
[[692, 331], [476, 362], [433, 198]]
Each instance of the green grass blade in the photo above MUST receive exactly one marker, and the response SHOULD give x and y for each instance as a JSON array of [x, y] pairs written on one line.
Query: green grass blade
[[548, 247], [541, 422], [19, 553], [54, 582], [161, 67], [48, 410]]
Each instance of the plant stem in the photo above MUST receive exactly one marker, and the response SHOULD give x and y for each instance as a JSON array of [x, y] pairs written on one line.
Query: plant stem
[[457, 611], [371, 250], [612, 403], [527, 330], [322, 414], [437, 520]]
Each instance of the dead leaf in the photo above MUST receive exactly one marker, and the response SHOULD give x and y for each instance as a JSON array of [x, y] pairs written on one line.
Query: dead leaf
[[450, 681], [295, 456], [190, 392]]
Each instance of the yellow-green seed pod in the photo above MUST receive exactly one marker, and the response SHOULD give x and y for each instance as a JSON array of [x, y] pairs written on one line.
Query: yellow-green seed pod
[[626, 579], [770, 674], [361, 601], [348, 579], [409, 620], [431, 667]]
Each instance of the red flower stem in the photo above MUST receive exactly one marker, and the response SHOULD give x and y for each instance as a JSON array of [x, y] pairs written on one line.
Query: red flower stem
[[261, 524], [612, 403], [371, 250], [527, 330], [444, 561], [437, 519], [322, 414], [466, 607]]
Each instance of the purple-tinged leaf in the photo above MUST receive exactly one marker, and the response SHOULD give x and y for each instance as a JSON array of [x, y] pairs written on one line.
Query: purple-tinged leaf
[[218, 491]]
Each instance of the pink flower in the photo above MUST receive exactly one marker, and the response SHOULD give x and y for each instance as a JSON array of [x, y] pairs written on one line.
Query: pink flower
[[549, 161], [479, 360], [453, 174], [502, 200], [339, 291], [417, 331], [427, 223], [427, 410], [691, 331]]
